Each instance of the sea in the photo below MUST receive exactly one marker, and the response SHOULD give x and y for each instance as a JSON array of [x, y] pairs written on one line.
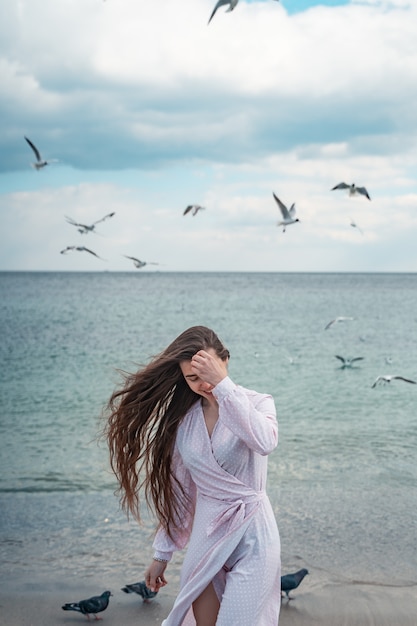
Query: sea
[[342, 481]]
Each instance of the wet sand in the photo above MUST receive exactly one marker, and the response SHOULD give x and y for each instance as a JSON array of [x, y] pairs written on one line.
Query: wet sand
[[38, 604]]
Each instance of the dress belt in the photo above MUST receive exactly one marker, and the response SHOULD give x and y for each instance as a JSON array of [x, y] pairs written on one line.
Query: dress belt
[[234, 512]]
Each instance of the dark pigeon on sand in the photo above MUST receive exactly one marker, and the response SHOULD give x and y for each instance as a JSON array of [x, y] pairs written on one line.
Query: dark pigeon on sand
[[291, 581], [91, 606], [141, 589]]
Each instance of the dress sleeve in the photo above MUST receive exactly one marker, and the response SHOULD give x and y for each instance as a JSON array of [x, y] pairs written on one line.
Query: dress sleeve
[[163, 544], [252, 418]]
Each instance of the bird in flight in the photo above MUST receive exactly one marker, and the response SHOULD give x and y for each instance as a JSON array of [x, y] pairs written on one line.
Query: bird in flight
[[84, 229], [194, 209], [232, 4], [353, 190], [288, 215], [388, 378], [138, 263], [80, 249], [354, 225], [336, 320], [220, 3], [348, 362], [40, 162]]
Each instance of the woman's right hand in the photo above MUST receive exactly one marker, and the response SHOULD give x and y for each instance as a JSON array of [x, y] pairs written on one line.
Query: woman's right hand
[[154, 575]]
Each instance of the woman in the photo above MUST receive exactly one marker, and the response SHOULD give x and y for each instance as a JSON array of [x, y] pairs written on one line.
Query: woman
[[197, 444]]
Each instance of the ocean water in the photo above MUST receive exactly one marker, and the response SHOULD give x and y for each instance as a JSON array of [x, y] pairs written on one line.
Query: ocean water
[[342, 480]]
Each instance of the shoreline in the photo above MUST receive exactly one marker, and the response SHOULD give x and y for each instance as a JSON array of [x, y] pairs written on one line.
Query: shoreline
[[324, 604]]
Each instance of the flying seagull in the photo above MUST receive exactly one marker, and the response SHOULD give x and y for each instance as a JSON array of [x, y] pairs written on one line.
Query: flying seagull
[[194, 208], [288, 215], [231, 3], [91, 606], [388, 378], [220, 3], [354, 225], [80, 249], [348, 362], [291, 581], [338, 319], [141, 589], [84, 229], [138, 263], [353, 190], [40, 162]]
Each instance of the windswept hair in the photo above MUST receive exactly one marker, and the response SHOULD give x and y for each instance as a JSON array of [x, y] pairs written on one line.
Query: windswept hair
[[143, 418]]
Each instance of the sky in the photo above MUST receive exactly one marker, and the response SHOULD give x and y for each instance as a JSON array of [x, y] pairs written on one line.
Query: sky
[[143, 109]]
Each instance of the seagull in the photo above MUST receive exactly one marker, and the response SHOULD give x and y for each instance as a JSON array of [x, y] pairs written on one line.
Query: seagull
[[292, 360], [291, 581], [40, 162], [138, 263], [288, 216], [348, 362], [91, 606], [338, 319], [194, 208], [353, 190], [141, 589], [220, 3], [80, 249], [388, 378], [84, 229], [354, 225]]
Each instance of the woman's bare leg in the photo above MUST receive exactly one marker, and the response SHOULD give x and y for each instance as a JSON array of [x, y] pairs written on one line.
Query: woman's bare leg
[[206, 607]]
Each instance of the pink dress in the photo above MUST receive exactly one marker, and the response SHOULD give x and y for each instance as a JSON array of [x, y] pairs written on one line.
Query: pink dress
[[232, 536]]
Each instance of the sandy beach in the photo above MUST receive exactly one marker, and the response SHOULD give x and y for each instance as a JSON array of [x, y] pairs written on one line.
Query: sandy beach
[[327, 605]]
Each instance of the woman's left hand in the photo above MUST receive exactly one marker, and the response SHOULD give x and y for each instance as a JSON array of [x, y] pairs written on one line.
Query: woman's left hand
[[208, 367]]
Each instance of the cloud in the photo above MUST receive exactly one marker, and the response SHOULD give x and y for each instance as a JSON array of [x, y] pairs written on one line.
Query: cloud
[[149, 109], [237, 231], [128, 84]]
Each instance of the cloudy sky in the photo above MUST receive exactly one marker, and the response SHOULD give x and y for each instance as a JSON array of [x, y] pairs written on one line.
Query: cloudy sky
[[147, 109]]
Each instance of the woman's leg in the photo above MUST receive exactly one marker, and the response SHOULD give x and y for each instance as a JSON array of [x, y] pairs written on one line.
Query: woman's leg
[[206, 607]]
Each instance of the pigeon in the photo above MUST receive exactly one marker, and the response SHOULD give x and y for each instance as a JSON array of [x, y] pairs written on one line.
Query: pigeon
[[348, 362], [388, 378], [138, 263], [336, 320], [194, 208], [141, 589], [291, 581], [91, 606], [231, 3], [40, 162], [80, 249], [353, 190], [84, 229], [288, 215]]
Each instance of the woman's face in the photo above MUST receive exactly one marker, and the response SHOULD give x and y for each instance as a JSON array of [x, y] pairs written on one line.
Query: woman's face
[[194, 382]]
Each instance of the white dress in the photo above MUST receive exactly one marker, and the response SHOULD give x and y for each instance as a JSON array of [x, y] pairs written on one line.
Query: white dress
[[232, 535]]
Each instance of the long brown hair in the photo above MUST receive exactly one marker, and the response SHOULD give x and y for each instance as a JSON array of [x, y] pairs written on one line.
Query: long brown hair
[[143, 418]]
